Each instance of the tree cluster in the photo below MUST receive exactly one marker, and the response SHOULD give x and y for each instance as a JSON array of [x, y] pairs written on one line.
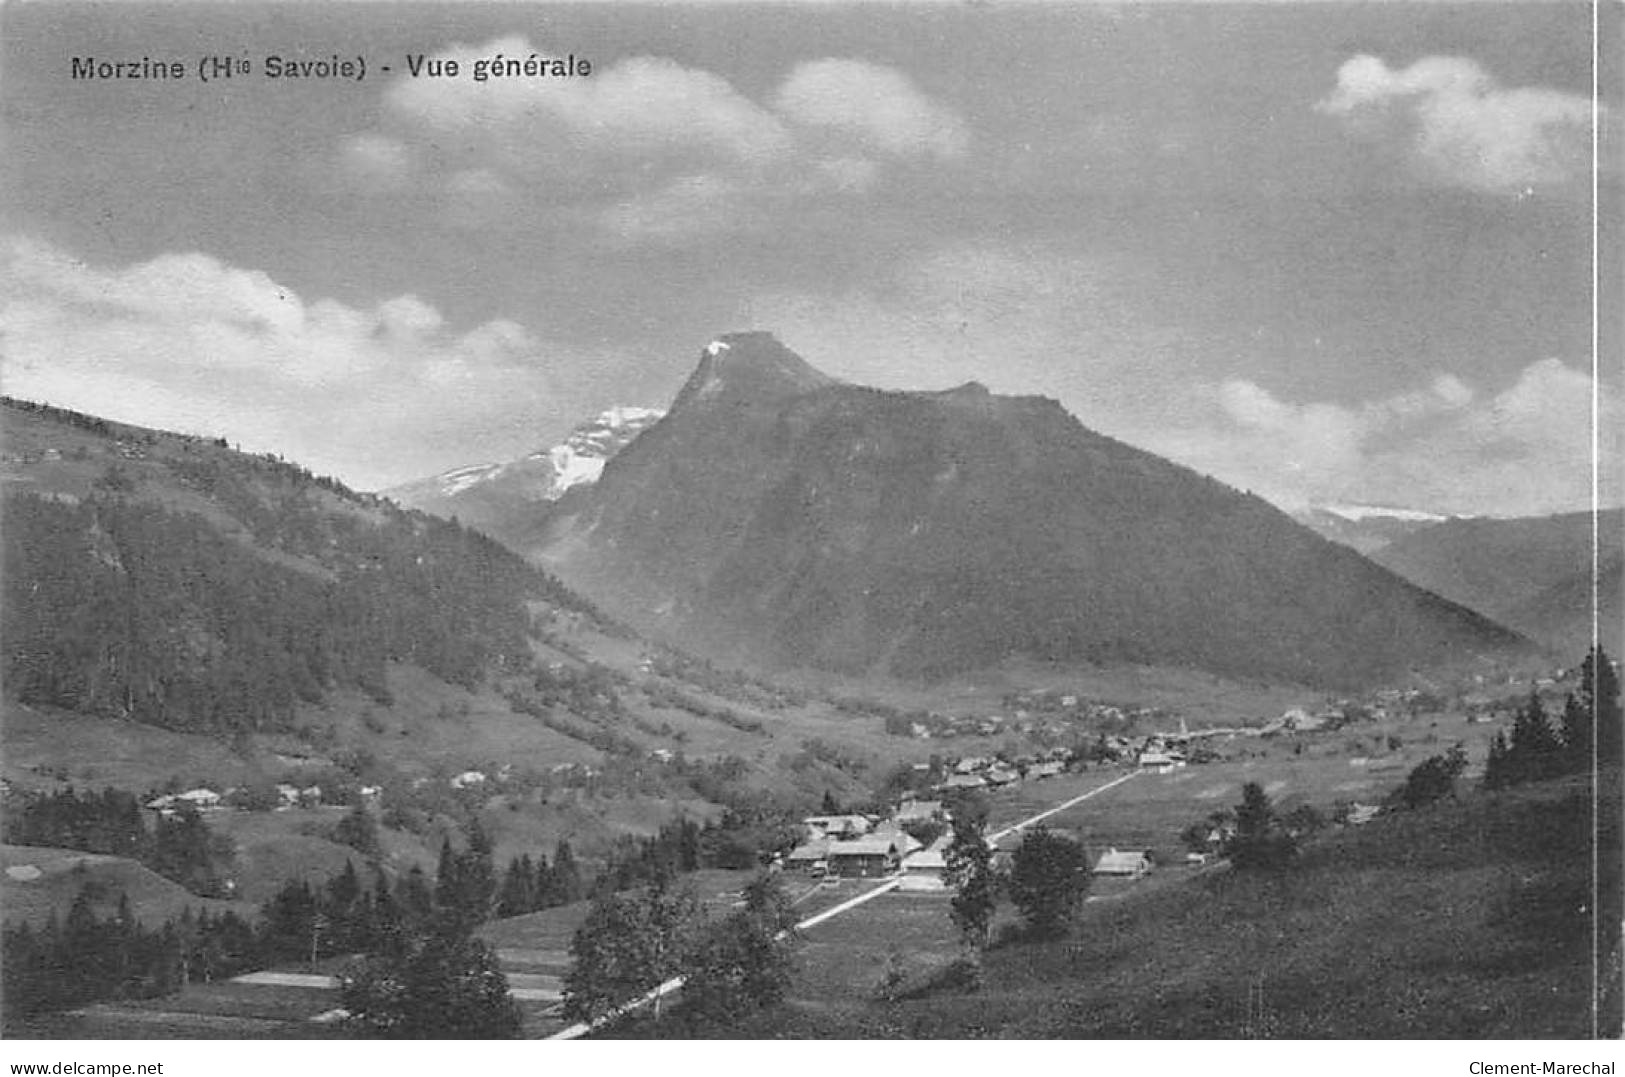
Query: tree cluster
[[87, 958], [180, 846], [1431, 780], [530, 885], [1590, 732], [1260, 840], [632, 943], [740, 839], [108, 822], [435, 981], [1049, 877], [423, 973]]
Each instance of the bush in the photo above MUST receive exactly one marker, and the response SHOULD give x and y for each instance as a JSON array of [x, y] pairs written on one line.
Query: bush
[[963, 973], [1432, 780]]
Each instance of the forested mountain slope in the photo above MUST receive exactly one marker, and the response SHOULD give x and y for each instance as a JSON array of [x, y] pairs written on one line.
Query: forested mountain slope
[[173, 581]]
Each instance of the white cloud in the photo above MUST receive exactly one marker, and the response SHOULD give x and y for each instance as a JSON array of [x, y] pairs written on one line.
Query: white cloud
[[854, 174], [1524, 450], [878, 105], [376, 162], [641, 107], [645, 150], [1459, 126], [687, 206], [186, 341]]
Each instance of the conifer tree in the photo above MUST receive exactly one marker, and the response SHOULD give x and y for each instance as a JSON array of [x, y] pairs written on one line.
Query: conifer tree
[[969, 871], [1259, 841], [1534, 751]]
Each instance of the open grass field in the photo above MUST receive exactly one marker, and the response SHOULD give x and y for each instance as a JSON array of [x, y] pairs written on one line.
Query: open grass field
[[298, 1007], [848, 957], [47, 747], [38, 881], [1203, 699], [1352, 765], [272, 849], [222, 1010]]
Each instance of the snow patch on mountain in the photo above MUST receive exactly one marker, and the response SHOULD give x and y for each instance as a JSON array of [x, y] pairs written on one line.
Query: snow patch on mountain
[[460, 479], [546, 474], [571, 468], [1366, 512]]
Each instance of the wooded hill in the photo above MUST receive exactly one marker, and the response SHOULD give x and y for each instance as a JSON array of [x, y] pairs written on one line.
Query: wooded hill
[[171, 580]]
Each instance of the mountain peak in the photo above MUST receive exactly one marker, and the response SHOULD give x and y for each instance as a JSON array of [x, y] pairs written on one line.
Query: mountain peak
[[749, 366]]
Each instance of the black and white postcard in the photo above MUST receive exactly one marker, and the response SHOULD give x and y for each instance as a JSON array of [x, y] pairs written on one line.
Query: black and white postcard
[[815, 521]]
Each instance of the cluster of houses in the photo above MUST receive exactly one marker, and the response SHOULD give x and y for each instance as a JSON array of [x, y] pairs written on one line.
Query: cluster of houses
[[479, 779], [860, 846], [1074, 705], [1031, 712], [200, 799], [983, 772], [289, 796]]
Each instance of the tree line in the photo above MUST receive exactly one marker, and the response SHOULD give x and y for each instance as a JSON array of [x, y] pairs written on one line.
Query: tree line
[[1589, 731], [179, 846]]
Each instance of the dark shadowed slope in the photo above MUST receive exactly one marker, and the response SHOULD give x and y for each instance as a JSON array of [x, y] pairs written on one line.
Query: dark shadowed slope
[[779, 514], [170, 580], [1532, 573]]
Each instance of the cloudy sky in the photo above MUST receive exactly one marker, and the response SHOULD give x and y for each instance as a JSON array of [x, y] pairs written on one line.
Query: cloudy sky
[[1329, 253]]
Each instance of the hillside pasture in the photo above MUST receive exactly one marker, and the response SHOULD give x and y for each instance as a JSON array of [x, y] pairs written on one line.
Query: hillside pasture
[[47, 748], [1465, 920], [39, 881]]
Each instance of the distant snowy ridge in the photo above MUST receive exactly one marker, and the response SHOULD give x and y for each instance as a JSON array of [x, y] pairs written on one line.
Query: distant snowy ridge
[[460, 479], [1366, 512], [546, 474], [1367, 528]]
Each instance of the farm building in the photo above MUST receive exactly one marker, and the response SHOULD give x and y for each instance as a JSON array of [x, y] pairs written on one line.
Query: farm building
[[1001, 775], [806, 857], [867, 856], [964, 781], [893, 831], [836, 826], [926, 870], [1131, 864], [918, 811], [201, 799]]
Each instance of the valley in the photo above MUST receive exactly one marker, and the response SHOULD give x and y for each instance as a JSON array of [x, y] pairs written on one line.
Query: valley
[[350, 696]]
